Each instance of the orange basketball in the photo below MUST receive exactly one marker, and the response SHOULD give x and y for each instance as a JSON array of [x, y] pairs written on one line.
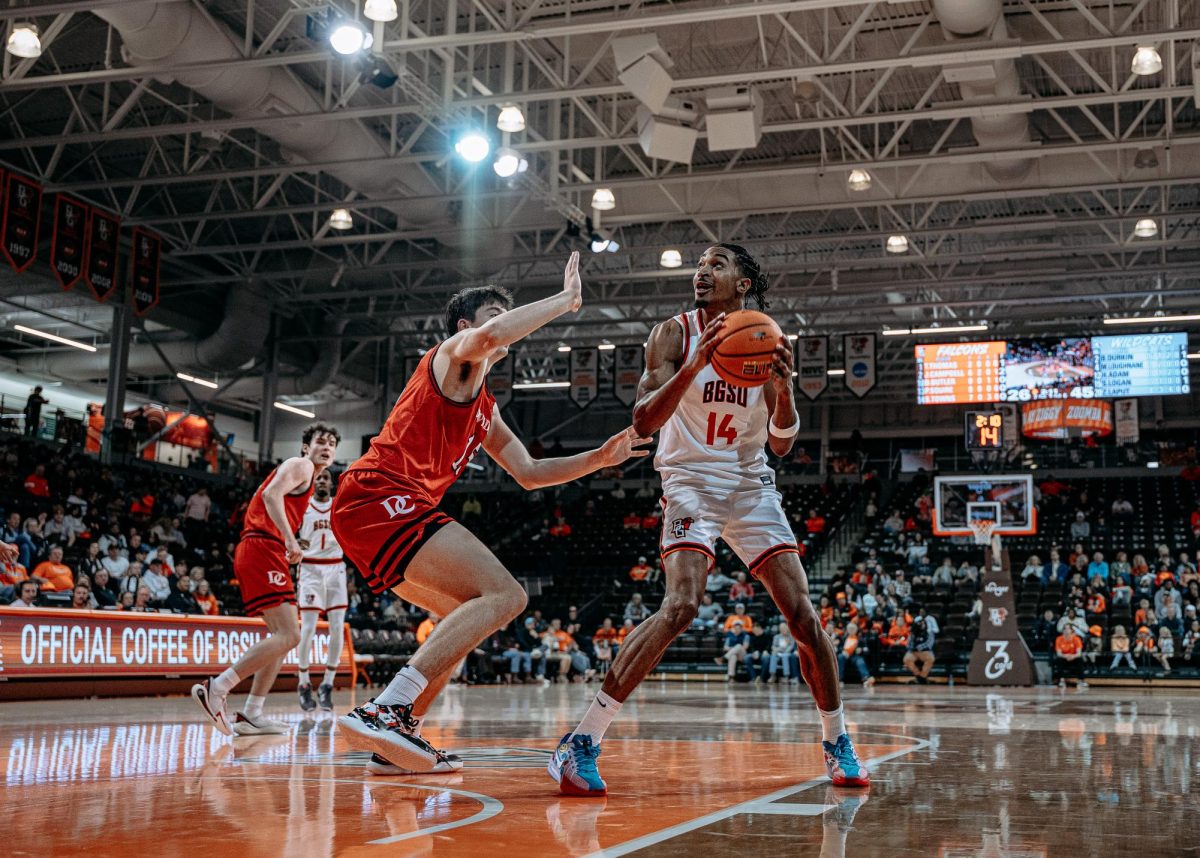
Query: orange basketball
[[743, 357], [156, 417]]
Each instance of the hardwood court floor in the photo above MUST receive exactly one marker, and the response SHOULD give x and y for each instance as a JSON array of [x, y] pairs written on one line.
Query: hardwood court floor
[[692, 770]]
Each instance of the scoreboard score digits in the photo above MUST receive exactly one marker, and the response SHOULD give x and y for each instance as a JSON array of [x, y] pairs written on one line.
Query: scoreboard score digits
[[985, 430]]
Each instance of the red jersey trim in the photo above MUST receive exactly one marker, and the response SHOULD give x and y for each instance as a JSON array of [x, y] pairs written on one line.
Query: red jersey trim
[[322, 561], [438, 388]]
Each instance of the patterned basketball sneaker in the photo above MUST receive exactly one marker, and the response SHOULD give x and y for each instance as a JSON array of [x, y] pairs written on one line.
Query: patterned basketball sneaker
[[391, 732], [574, 767], [244, 725], [380, 766], [304, 692], [842, 764], [325, 696]]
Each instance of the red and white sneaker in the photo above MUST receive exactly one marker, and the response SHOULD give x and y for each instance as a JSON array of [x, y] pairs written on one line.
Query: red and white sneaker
[[213, 706], [842, 764]]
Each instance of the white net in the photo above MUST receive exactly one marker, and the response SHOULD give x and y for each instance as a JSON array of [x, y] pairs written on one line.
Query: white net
[[983, 529]]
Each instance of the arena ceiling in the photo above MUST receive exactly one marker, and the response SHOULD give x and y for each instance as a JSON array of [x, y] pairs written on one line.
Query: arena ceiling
[[1016, 160]]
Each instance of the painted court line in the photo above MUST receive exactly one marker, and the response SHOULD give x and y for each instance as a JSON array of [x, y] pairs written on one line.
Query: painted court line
[[752, 806]]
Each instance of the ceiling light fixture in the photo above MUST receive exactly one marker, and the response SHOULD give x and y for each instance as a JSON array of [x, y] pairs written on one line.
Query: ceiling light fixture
[[509, 163], [859, 180], [954, 329], [349, 37], [291, 409], [836, 372], [564, 348], [1151, 320], [897, 244], [203, 382], [341, 219], [671, 259], [1193, 355], [541, 385], [603, 200], [473, 147], [55, 338], [381, 10], [511, 119], [1146, 61], [1145, 159], [1146, 227], [606, 347], [23, 41], [601, 242]]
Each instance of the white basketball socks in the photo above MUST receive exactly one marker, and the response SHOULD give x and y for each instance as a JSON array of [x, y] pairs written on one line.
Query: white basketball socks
[[404, 689], [599, 715], [225, 683], [833, 724], [254, 705]]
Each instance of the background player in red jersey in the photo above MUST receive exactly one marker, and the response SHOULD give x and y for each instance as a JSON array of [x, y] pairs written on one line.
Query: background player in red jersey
[[262, 561], [386, 519]]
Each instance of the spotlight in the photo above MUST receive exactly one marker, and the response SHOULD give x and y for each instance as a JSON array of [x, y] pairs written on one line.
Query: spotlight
[[380, 10], [1147, 227], [511, 119], [24, 41], [859, 180], [897, 244], [1146, 61], [508, 163], [671, 259], [473, 147], [340, 219], [1145, 159], [349, 37], [603, 200]]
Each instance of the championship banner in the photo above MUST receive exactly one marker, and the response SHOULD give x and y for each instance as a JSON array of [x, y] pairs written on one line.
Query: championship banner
[[500, 380], [858, 355], [147, 249], [812, 365], [39, 643], [1010, 430], [585, 376], [22, 216], [67, 242], [627, 373], [1128, 431], [103, 251]]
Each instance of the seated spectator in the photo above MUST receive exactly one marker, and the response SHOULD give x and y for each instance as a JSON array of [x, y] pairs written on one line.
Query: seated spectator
[[57, 531], [1045, 630], [867, 602], [742, 590], [708, 617], [57, 575], [558, 657], [916, 549], [1096, 603], [36, 483], [815, 523], [604, 644], [1119, 644], [943, 576], [471, 507], [967, 572], [716, 581], [1068, 657], [104, 590], [640, 571], [1032, 570], [897, 633], [737, 640], [783, 656], [636, 610], [1166, 648], [81, 596], [758, 654], [12, 574], [1093, 647], [1191, 643], [652, 520], [893, 523], [919, 656], [631, 521], [901, 588], [738, 617], [1098, 566], [923, 571], [627, 626], [27, 595], [164, 557], [1171, 619], [426, 628], [617, 492], [156, 581], [1166, 593], [843, 611], [1071, 618], [181, 600], [205, 599], [1185, 567], [851, 653], [1080, 528], [560, 528], [1121, 508], [1144, 648]]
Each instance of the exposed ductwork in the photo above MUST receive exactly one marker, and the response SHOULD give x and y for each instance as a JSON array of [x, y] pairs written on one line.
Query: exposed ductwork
[[987, 81]]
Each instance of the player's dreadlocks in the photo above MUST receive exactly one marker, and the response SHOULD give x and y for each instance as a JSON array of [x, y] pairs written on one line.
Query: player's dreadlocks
[[750, 268]]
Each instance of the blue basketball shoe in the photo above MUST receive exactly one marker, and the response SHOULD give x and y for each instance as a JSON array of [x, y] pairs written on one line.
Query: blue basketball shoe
[[842, 764], [574, 767]]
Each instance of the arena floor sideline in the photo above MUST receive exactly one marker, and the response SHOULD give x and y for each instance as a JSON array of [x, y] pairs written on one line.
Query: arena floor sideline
[[714, 771]]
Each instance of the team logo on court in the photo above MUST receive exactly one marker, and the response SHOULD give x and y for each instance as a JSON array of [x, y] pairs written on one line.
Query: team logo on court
[[276, 579], [997, 615], [398, 505], [999, 662], [681, 526]]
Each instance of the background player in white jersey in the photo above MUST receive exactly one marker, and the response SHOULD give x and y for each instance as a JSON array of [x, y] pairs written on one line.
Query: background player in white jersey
[[321, 588], [716, 483]]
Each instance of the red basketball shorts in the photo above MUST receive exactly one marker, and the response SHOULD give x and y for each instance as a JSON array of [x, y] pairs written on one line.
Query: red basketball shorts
[[262, 572], [381, 526]]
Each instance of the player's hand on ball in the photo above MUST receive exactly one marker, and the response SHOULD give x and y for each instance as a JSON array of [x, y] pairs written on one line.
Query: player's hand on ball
[[294, 552], [782, 366], [624, 445], [572, 287], [710, 338]]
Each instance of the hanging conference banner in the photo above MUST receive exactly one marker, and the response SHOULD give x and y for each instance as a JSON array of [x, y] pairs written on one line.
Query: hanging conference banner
[[147, 250], [1127, 421], [22, 215], [67, 243], [812, 365], [858, 356], [627, 373], [1008, 424], [585, 376], [500, 380], [103, 250]]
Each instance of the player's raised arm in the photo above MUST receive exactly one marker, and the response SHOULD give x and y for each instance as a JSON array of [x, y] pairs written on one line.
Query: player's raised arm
[[295, 473], [781, 404], [507, 449], [475, 344], [664, 382]]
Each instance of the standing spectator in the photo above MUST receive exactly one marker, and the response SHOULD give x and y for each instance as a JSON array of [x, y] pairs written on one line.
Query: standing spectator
[[1119, 644], [196, 511], [919, 657], [33, 411], [742, 590], [57, 575], [636, 610], [737, 640], [1068, 657], [27, 594], [852, 653]]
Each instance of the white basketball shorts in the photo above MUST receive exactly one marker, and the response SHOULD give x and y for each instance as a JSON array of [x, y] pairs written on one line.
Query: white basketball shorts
[[322, 586]]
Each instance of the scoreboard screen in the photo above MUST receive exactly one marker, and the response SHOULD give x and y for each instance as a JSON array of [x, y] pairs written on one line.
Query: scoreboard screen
[[985, 430], [1066, 368]]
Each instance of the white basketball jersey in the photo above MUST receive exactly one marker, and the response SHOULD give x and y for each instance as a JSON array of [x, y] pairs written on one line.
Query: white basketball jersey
[[322, 544], [718, 434]]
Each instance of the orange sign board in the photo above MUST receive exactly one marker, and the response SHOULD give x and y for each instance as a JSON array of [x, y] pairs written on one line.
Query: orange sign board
[[1064, 418]]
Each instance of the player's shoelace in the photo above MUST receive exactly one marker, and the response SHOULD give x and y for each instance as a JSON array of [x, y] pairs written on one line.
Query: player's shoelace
[[399, 719], [584, 754], [843, 752]]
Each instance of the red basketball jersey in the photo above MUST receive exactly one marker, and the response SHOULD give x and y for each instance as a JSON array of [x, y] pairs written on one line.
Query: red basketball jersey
[[258, 521], [428, 438]]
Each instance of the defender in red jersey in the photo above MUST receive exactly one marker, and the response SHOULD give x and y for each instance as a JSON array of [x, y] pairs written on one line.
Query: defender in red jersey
[[385, 513], [262, 563]]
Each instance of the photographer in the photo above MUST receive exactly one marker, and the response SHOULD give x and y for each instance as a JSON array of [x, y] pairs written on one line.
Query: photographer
[[919, 658]]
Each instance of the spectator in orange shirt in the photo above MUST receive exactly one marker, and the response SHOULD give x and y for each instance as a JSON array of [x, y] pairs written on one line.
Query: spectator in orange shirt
[[851, 654], [36, 483], [632, 521], [560, 528], [206, 600], [652, 520], [815, 522], [11, 576], [742, 590], [897, 634], [1096, 603], [57, 575], [641, 570], [738, 616], [427, 626], [1068, 657], [622, 633]]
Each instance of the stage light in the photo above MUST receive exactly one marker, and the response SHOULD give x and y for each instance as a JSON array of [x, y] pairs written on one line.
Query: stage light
[[606, 347], [541, 385], [835, 372], [508, 163], [1151, 320], [24, 42], [602, 242], [564, 348], [283, 406], [897, 244], [953, 329], [203, 382], [859, 180], [341, 219], [1146, 227], [349, 37], [511, 119], [55, 338], [603, 200], [1146, 61], [380, 10], [473, 147], [670, 259]]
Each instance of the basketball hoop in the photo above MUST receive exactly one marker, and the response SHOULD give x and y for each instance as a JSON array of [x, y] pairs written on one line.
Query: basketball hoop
[[983, 529]]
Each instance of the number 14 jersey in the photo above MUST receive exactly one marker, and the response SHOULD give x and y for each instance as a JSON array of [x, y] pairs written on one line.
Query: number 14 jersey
[[718, 434]]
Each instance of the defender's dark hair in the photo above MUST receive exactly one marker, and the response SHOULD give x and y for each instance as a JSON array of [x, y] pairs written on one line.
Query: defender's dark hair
[[750, 269], [314, 429], [465, 303]]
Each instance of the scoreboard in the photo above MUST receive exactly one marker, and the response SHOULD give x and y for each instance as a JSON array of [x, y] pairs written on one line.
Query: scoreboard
[[984, 430], [1141, 365], [950, 373]]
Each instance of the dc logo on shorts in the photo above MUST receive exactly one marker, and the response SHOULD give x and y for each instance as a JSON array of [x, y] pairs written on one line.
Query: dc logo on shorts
[[276, 579], [681, 526], [397, 505]]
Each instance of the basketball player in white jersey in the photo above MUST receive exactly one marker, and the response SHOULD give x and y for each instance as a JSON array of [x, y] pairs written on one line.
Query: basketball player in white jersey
[[321, 588], [716, 483]]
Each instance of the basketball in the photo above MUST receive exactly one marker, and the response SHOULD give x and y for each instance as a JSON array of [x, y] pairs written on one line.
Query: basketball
[[156, 417], [743, 357]]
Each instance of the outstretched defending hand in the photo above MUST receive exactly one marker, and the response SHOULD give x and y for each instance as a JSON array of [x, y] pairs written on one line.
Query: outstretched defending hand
[[624, 445], [572, 287]]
